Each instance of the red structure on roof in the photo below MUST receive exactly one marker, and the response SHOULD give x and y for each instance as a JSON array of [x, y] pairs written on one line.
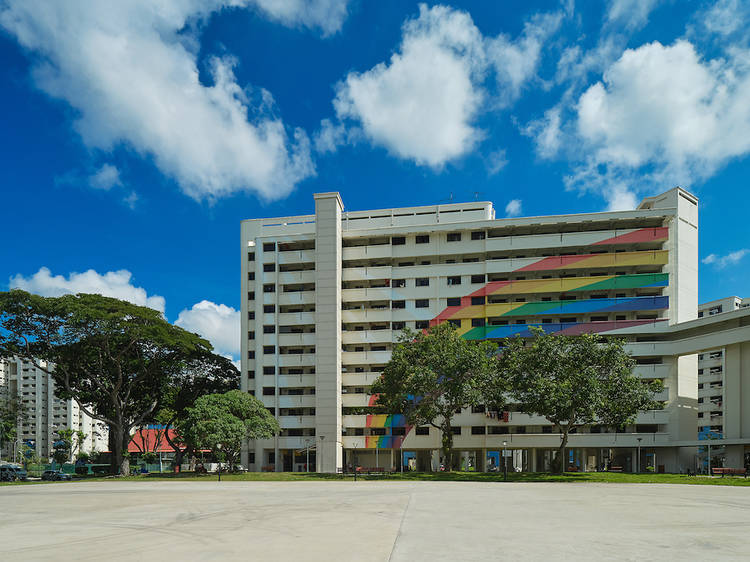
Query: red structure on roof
[[145, 440]]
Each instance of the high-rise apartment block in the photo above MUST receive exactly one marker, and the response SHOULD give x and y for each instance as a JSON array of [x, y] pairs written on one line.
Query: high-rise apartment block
[[325, 296], [711, 369], [45, 413]]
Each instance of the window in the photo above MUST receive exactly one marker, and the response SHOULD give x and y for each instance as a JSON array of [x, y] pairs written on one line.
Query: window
[[423, 430], [250, 275], [398, 431], [269, 246], [251, 374], [269, 349], [269, 329], [269, 370], [497, 430], [478, 430], [398, 240], [478, 235], [454, 301], [423, 239], [251, 355], [251, 256], [423, 282], [251, 335], [269, 288], [398, 325], [620, 317], [477, 278], [422, 324], [376, 431], [422, 303], [454, 280], [398, 304], [455, 323], [454, 237], [269, 308], [547, 321], [399, 283], [251, 315], [477, 301], [269, 391], [251, 295], [456, 430], [569, 320], [477, 322], [599, 318]]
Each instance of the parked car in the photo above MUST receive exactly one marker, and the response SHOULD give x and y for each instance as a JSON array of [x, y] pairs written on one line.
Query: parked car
[[8, 473], [55, 475]]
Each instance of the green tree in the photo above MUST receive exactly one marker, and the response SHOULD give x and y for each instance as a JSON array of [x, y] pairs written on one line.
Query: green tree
[[64, 446], [572, 381], [223, 422], [433, 375], [199, 377], [115, 359], [12, 413]]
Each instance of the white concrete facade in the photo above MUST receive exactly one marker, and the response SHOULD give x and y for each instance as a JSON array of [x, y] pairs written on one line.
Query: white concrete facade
[[326, 295], [45, 413]]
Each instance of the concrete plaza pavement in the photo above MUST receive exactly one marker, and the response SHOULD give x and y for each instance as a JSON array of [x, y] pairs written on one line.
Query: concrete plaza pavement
[[378, 521]]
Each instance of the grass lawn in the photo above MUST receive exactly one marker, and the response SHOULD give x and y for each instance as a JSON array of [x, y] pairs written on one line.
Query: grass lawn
[[602, 477]]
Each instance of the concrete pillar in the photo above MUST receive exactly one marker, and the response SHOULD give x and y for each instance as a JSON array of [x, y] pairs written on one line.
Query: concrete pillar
[[328, 207], [735, 456], [532, 463]]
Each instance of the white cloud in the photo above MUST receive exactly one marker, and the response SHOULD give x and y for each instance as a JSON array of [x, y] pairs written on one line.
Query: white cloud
[[131, 71], [496, 161], [131, 199], [630, 13], [115, 284], [516, 61], [513, 208], [546, 132], [421, 105], [721, 262], [105, 178], [326, 15], [664, 107], [726, 17], [218, 323]]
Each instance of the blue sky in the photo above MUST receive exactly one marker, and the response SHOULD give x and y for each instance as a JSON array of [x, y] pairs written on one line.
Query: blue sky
[[135, 138]]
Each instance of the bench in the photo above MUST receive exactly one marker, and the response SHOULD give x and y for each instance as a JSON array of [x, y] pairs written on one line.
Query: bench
[[730, 471], [370, 470], [615, 469]]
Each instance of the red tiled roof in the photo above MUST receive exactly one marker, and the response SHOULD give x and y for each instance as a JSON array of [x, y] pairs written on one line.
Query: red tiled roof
[[152, 440]]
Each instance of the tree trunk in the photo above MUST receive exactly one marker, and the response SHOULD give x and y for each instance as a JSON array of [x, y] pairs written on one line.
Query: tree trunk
[[118, 441], [447, 442], [561, 452]]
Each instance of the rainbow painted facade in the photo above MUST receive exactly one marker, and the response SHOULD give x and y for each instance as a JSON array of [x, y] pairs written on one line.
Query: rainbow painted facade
[[328, 294]]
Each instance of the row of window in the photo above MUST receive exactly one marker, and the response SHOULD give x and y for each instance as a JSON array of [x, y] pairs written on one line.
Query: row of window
[[425, 238]]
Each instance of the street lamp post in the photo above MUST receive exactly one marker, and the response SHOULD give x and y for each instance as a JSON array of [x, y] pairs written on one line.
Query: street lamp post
[[218, 446], [505, 462], [355, 460], [639, 439], [307, 449]]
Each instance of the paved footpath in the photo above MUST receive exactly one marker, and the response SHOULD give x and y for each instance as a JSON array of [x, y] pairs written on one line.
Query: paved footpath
[[378, 521]]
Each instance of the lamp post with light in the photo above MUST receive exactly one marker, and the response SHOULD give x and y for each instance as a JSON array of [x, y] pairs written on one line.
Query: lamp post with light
[[639, 439], [218, 447], [505, 462]]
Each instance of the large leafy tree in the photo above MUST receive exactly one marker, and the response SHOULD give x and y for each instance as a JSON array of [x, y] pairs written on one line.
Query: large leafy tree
[[223, 422], [573, 381], [12, 412], [200, 376], [114, 358], [434, 374]]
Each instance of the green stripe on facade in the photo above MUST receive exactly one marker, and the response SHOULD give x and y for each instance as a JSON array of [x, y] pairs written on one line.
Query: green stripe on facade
[[633, 281]]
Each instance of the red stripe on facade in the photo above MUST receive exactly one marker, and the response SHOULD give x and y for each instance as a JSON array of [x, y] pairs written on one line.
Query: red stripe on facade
[[640, 235]]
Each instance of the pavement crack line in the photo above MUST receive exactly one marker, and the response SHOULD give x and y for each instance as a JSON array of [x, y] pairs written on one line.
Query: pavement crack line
[[401, 525]]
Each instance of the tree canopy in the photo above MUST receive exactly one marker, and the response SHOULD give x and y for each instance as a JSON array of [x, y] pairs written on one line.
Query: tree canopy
[[572, 381], [432, 375], [223, 422], [114, 358]]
